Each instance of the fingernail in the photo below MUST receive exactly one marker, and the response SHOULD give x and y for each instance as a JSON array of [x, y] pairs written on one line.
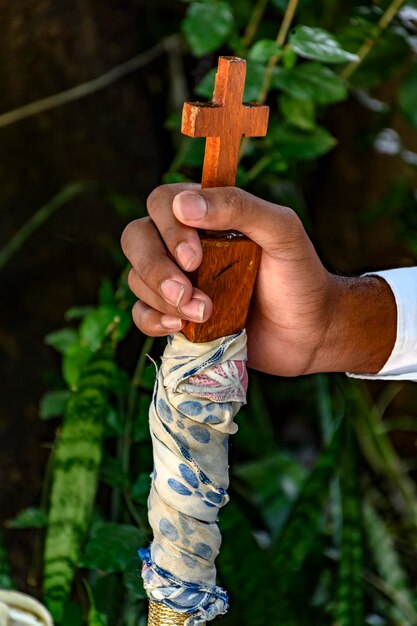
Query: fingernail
[[190, 205], [172, 291], [194, 309], [170, 322], [185, 255]]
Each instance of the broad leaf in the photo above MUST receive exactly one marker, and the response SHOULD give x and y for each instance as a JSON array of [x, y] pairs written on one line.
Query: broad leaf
[[141, 487], [320, 45], [299, 113], [291, 143], [274, 482], [311, 81], [102, 322], [111, 547], [62, 339], [305, 520], [263, 50], [207, 26], [53, 404], [78, 312], [74, 362], [29, 518]]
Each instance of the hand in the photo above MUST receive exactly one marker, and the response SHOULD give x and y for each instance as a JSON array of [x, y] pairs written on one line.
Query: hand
[[302, 318]]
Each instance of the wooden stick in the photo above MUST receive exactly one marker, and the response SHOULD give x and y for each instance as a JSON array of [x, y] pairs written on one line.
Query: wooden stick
[[230, 260]]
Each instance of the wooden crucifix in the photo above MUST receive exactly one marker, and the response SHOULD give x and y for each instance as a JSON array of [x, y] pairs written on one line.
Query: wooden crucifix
[[230, 262]]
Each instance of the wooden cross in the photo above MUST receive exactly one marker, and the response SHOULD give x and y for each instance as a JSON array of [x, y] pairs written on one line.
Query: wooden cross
[[224, 121], [230, 263]]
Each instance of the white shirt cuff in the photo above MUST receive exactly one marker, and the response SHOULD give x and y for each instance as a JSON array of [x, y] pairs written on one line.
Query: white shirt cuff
[[402, 363]]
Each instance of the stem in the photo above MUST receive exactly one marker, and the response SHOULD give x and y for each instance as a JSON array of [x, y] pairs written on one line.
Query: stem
[[259, 166], [280, 40], [254, 21], [134, 512], [90, 87], [132, 398], [39, 218], [366, 47], [124, 443], [286, 22]]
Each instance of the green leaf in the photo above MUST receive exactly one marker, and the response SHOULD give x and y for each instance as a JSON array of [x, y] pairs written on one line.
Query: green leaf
[[127, 207], [111, 547], [384, 60], [29, 518], [388, 564], [94, 617], [141, 488], [6, 581], [140, 431], [133, 582], [299, 113], [305, 520], [72, 614], [174, 177], [407, 97], [53, 404], [260, 604], [289, 58], [75, 359], [320, 45], [207, 26], [62, 339], [311, 81], [78, 312], [193, 152], [114, 426], [263, 50], [291, 143], [106, 296], [206, 85], [274, 482], [101, 322], [349, 605]]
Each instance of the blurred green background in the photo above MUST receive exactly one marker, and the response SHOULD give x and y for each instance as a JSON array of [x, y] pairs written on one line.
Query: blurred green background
[[322, 524]]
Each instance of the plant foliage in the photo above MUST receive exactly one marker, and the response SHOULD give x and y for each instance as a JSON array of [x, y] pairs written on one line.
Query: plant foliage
[[305, 539]]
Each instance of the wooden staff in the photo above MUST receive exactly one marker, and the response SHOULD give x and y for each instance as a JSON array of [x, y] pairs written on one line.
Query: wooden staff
[[230, 260]]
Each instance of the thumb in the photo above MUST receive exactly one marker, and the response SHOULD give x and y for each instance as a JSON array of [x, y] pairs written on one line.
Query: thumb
[[231, 208]]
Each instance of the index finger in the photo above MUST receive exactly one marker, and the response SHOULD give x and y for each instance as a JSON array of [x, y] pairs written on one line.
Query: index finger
[[182, 241]]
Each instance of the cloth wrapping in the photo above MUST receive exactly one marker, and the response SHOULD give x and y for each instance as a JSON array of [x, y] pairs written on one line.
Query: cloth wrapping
[[198, 391]]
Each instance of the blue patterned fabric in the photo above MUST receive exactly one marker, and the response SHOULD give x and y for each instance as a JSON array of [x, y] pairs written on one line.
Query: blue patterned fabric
[[198, 391]]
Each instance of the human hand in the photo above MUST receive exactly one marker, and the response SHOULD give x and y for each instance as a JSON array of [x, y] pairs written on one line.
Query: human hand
[[302, 319]]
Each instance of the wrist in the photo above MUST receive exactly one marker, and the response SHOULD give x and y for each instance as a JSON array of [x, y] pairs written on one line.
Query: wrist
[[362, 326]]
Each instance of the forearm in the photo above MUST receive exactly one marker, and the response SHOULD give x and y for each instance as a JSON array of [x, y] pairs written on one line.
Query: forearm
[[362, 326]]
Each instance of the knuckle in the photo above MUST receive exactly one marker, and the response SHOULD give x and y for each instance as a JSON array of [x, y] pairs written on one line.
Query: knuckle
[[234, 200], [131, 280], [163, 195], [155, 199], [147, 271], [125, 238], [131, 232], [294, 223]]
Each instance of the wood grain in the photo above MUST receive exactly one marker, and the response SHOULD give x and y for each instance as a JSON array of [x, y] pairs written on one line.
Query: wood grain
[[230, 261]]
